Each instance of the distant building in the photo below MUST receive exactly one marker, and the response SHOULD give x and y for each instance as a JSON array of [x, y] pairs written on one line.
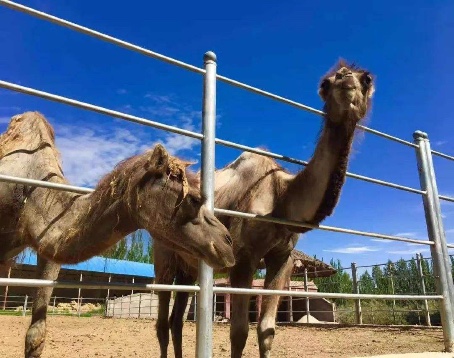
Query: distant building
[[96, 269]]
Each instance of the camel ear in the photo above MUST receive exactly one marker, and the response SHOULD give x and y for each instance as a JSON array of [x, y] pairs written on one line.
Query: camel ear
[[159, 157], [323, 89]]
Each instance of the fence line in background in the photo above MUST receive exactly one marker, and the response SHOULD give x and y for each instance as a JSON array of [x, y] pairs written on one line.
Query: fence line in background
[[216, 289], [291, 309]]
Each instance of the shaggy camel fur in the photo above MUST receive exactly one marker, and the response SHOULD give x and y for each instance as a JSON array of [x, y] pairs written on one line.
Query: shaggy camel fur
[[257, 184], [152, 191]]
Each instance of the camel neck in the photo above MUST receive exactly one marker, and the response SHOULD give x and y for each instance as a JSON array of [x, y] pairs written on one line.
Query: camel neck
[[313, 193]]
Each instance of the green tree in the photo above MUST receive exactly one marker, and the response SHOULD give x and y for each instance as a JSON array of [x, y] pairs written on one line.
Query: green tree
[[380, 281], [136, 247], [366, 283], [339, 282]]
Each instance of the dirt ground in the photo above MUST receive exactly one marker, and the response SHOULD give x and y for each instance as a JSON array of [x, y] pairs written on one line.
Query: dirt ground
[[103, 337]]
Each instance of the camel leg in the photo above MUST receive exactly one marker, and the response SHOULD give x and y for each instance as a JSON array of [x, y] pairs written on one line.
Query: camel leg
[[278, 271], [162, 324], [241, 276], [165, 270], [36, 333], [179, 306]]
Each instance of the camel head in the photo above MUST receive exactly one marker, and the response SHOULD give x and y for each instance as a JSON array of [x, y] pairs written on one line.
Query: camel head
[[346, 91], [169, 205]]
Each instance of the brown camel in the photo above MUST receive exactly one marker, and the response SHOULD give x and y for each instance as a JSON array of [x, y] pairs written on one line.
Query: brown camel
[[257, 184], [152, 191]]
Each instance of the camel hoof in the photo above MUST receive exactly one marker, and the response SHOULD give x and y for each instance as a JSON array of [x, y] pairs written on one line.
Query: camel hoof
[[34, 340]]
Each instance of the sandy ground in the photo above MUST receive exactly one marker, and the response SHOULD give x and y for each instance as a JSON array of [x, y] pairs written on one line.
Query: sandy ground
[[102, 337]]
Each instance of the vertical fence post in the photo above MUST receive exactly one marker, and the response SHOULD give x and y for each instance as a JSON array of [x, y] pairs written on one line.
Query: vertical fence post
[[391, 279], [25, 306], [358, 311], [79, 302], [6, 290], [439, 251], [290, 302], [306, 288], [121, 307], [130, 304], [214, 307], [204, 332], [423, 288], [140, 303], [108, 290]]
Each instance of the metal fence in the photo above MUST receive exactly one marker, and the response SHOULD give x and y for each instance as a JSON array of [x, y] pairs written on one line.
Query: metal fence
[[65, 306], [428, 191]]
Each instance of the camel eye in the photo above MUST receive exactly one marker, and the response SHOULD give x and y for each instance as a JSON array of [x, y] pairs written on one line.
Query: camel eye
[[193, 201]]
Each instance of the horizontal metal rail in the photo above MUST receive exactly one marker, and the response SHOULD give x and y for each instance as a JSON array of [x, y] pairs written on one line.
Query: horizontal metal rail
[[82, 190], [45, 184], [23, 282], [264, 292], [98, 35], [147, 122], [443, 155], [230, 144], [149, 53], [320, 227], [446, 198], [98, 109]]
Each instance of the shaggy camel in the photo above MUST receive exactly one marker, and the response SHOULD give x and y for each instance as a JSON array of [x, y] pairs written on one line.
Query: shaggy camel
[[257, 184], [152, 191]]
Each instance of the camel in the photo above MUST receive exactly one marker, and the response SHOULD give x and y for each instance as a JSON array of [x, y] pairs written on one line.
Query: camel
[[153, 191], [257, 184]]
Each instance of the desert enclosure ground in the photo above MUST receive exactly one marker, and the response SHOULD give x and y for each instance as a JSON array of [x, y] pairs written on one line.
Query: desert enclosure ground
[[104, 337]]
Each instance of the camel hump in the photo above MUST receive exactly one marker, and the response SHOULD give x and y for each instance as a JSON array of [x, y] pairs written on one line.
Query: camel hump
[[27, 131]]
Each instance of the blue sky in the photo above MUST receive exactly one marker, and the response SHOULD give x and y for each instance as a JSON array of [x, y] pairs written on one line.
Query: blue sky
[[284, 48]]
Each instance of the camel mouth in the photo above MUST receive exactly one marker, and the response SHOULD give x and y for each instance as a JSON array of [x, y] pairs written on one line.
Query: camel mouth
[[213, 257], [348, 87]]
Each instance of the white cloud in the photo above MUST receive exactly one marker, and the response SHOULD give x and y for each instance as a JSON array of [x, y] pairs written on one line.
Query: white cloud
[[88, 154], [160, 99], [440, 142], [5, 120], [353, 250], [9, 108], [121, 91], [382, 241], [409, 251], [408, 234]]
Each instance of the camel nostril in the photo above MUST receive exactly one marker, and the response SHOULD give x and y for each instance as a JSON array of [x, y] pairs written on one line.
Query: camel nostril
[[229, 240]]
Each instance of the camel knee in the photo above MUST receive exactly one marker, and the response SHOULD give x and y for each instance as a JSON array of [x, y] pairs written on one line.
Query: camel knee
[[34, 339]]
